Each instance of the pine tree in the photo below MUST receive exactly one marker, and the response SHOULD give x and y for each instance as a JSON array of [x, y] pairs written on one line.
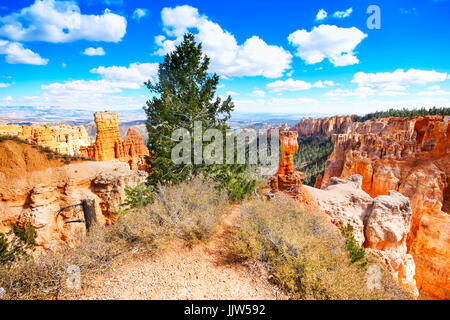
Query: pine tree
[[186, 93]]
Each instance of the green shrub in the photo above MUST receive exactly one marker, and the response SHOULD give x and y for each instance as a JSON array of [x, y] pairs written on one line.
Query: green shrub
[[357, 253], [306, 255], [140, 196], [22, 241]]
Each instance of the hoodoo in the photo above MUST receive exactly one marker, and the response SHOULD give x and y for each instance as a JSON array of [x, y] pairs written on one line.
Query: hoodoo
[[110, 146]]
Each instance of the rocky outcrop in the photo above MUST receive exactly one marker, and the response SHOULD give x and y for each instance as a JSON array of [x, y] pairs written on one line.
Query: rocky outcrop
[[381, 225], [323, 126], [287, 181], [63, 139], [411, 156], [110, 146], [34, 188]]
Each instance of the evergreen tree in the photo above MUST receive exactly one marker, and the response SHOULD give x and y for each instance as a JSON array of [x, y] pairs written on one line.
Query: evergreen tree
[[186, 93]]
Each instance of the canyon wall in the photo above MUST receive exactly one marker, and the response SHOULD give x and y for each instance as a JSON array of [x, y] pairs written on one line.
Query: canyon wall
[[63, 139], [411, 156], [323, 126], [379, 224], [34, 188], [110, 146]]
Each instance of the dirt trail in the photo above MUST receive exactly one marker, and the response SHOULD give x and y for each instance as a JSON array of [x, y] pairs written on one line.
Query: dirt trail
[[178, 272]]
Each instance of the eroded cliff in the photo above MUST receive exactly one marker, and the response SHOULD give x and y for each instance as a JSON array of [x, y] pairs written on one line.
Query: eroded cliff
[[63, 139], [411, 156], [34, 188]]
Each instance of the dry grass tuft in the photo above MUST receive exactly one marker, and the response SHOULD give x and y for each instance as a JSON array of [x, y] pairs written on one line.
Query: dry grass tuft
[[305, 255]]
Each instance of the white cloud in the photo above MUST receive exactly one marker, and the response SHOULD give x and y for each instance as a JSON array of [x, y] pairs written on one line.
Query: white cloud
[[94, 51], [327, 42], [232, 93], [296, 85], [323, 84], [4, 85], [135, 74], [321, 15], [258, 93], [343, 14], [139, 13], [434, 91], [114, 80], [252, 58], [63, 65], [397, 80], [61, 21], [17, 54], [358, 92], [393, 93]]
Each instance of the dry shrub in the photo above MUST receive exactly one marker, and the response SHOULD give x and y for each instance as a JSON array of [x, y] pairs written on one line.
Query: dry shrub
[[188, 211], [305, 255], [44, 275]]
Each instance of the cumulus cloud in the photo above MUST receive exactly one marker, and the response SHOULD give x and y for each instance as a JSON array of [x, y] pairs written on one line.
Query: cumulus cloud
[[4, 85], [258, 93], [17, 54], [327, 42], [321, 15], [135, 74], [228, 58], [397, 80], [296, 85], [343, 14], [434, 91], [139, 13], [114, 80], [94, 51], [61, 21]]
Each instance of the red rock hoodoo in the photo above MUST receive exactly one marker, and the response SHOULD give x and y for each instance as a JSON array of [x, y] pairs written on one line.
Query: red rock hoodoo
[[287, 180], [110, 146]]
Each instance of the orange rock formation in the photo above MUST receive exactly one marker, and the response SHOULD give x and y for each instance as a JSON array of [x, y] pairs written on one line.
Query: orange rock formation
[[34, 188], [62, 139], [381, 225], [323, 126], [411, 156], [286, 180], [110, 146]]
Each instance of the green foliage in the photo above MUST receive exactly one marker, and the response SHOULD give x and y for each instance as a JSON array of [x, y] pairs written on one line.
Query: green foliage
[[304, 253], [237, 180], [404, 113], [357, 253], [311, 157], [184, 94], [140, 196], [22, 241]]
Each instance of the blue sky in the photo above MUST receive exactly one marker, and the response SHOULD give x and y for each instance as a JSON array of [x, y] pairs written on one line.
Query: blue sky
[[273, 56]]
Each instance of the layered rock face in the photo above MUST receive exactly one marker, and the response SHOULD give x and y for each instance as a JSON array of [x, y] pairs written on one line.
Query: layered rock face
[[411, 156], [63, 139], [34, 188], [323, 126], [381, 225], [110, 146], [286, 180]]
